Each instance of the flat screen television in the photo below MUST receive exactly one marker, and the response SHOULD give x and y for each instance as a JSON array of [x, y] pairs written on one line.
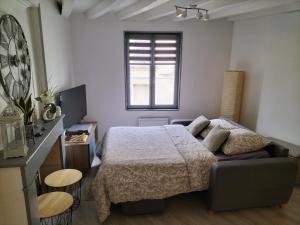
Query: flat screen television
[[73, 105]]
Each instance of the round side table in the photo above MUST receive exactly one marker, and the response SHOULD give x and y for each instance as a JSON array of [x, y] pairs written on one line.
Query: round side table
[[68, 180], [55, 208]]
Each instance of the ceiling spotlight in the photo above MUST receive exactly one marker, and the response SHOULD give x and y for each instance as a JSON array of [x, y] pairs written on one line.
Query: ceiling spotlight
[[205, 17], [199, 15], [181, 13]]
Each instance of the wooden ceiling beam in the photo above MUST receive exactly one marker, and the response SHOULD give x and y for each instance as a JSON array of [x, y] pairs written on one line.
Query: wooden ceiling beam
[[140, 7], [107, 6], [123, 4], [101, 9], [67, 7], [293, 7], [249, 7]]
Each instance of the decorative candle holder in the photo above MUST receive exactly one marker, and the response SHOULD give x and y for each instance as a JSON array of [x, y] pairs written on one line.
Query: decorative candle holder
[[12, 132]]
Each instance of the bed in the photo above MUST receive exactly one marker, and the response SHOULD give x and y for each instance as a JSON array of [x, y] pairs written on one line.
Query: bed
[[149, 163]]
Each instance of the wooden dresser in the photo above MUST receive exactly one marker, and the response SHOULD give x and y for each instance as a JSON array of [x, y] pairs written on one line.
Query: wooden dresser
[[80, 156]]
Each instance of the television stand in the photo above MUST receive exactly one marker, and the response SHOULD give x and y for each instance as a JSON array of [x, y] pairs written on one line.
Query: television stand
[[80, 154]]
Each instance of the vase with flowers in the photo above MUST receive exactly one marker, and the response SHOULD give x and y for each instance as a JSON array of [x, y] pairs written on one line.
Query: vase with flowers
[[50, 110]]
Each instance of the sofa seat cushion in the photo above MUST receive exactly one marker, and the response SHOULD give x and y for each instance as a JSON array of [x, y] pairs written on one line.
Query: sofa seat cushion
[[242, 141], [249, 155]]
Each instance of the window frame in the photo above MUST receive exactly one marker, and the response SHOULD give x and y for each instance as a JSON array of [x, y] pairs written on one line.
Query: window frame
[[152, 106]]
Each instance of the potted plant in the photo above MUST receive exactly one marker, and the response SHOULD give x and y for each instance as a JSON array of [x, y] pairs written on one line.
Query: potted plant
[[25, 105]]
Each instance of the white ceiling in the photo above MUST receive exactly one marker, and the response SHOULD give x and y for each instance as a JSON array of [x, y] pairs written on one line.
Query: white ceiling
[[80, 6], [149, 10]]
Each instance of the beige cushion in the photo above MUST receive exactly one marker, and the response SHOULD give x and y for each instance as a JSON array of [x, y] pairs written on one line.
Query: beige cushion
[[198, 125], [221, 122], [242, 140], [215, 138]]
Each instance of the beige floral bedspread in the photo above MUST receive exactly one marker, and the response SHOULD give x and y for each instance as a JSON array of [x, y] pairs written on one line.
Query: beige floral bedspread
[[149, 163]]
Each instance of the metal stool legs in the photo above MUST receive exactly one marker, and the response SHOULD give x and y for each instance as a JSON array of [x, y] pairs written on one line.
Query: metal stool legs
[[62, 219], [74, 190]]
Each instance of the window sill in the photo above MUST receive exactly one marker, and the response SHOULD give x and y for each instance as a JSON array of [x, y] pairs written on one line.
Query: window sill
[[135, 109]]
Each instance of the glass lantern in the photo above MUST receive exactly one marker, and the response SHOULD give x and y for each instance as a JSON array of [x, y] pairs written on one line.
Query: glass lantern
[[12, 132]]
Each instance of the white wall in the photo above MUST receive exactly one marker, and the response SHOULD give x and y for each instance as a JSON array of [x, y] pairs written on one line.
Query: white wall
[[57, 45], [20, 12], [98, 59], [268, 49]]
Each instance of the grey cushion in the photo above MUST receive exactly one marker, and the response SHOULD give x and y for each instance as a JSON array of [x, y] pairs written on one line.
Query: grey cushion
[[215, 138], [221, 122], [198, 125]]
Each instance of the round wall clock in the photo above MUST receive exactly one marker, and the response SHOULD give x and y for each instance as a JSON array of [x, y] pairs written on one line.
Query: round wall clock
[[15, 68]]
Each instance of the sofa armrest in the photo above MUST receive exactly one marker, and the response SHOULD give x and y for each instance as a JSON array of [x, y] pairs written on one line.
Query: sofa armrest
[[251, 183], [184, 122], [277, 150]]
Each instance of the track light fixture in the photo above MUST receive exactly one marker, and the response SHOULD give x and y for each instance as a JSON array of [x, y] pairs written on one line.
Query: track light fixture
[[181, 13], [201, 14]]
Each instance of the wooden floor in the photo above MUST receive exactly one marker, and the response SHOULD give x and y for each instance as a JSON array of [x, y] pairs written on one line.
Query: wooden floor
[[189, 210]]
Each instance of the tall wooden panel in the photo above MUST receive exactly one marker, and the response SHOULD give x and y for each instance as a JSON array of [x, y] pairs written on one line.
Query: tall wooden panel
[[232, 95]]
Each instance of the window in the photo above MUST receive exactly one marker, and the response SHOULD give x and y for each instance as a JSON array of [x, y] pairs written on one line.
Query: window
[[152, 63]]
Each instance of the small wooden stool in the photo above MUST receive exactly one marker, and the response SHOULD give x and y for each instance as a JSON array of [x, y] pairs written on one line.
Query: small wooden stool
[[55, 208], [68, 180]]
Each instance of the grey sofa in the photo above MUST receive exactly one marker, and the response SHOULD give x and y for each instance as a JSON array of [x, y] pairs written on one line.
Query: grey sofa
[[238, 184]]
